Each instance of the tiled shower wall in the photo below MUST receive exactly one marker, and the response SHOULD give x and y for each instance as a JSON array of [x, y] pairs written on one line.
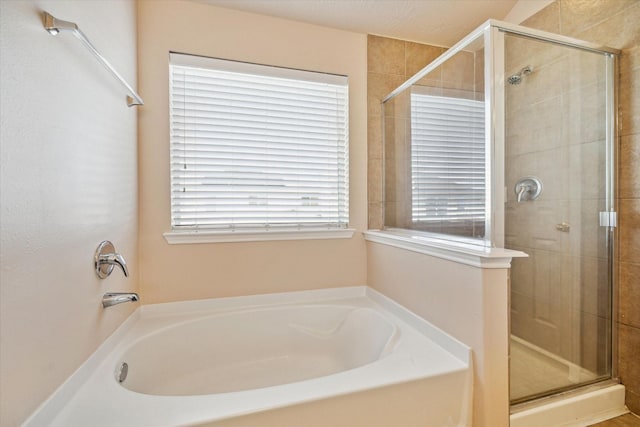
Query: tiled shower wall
[[615, 23]]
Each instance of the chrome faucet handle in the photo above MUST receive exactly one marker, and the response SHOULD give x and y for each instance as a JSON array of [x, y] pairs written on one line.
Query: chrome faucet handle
[[106, 258], [528, 188]]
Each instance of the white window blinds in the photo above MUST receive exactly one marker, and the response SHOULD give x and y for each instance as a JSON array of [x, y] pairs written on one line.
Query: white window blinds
[[447, 159], [256, 147]]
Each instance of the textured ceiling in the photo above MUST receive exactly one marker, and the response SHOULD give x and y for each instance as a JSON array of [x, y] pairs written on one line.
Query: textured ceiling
[[438, 22]]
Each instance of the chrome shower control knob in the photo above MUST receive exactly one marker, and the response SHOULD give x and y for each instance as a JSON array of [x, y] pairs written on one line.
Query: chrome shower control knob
[[106, 258], [528, 188]]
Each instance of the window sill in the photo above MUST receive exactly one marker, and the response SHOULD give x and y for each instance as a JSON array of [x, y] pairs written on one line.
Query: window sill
[[459, 252], [193, 237]]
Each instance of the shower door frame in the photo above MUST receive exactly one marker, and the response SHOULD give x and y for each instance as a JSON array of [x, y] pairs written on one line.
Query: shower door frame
[[495, 86]]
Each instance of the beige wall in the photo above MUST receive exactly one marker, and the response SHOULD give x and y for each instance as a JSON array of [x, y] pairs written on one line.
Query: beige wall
[[182, 272], [68, 181], [615, 24], [467, 302]]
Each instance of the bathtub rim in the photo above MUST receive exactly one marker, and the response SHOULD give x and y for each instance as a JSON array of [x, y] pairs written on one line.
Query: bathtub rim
[[58, 400]]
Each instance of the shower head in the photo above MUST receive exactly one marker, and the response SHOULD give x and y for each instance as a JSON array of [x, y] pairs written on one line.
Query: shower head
[[54, 26], [516, 79]]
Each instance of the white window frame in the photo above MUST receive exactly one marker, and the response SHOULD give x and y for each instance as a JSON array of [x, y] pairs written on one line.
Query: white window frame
[[331, 225]]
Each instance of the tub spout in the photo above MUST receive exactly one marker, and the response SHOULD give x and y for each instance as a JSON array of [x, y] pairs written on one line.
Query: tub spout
[[115, 298]]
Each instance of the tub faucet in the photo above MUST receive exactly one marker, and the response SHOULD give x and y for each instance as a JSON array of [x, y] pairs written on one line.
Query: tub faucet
[[115, 298]]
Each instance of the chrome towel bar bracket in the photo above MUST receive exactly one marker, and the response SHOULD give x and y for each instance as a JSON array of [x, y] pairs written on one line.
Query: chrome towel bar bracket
[[55, 26]]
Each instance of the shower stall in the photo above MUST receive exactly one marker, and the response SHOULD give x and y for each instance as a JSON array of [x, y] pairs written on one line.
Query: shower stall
[[508, 140]]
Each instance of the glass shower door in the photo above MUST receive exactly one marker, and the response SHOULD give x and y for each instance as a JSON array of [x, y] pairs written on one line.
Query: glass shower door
[[557, 182]]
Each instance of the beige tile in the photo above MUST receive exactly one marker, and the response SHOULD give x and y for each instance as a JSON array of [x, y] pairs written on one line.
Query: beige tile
[[585, 113], [459, 71], [587, 170], [403, 138], [541, 220], [403, 104], [374, 180], [521, 312], [517, 166], [394, 135], [433, 79], [534, 126], [586, 68], [592, 282], [630, 59], [620, 31], [552, 168], [577, 15], [522, 276], [548, 19], [515, 57], [629, 164], [403, 218], [548, 78], [629, 294], [517, 220], [375, 215], [628, 350], [629, 102], [390, 181], [390, 214], [374, 137], [389, 133], [632, 400], [379, 86], [588, 239], [593, 343], [385, 55], [629, 230], [419, 56]]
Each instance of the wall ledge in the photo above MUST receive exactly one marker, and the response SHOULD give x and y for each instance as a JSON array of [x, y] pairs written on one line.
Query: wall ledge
[[462, 253]]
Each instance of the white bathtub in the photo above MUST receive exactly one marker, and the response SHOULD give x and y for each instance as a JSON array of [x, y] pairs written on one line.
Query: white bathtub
[[326, 357]]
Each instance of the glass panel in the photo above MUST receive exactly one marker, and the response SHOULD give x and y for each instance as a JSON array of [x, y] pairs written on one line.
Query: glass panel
[[434, 148], [555, 116]]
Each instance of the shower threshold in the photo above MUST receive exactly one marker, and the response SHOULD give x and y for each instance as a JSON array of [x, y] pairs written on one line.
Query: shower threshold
[[581, 407]]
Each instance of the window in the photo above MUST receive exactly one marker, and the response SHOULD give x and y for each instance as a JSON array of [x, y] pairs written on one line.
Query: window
[[447, 161], [257, 148]]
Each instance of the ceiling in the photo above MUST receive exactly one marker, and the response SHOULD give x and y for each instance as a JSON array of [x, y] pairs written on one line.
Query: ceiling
[[437, 22]]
